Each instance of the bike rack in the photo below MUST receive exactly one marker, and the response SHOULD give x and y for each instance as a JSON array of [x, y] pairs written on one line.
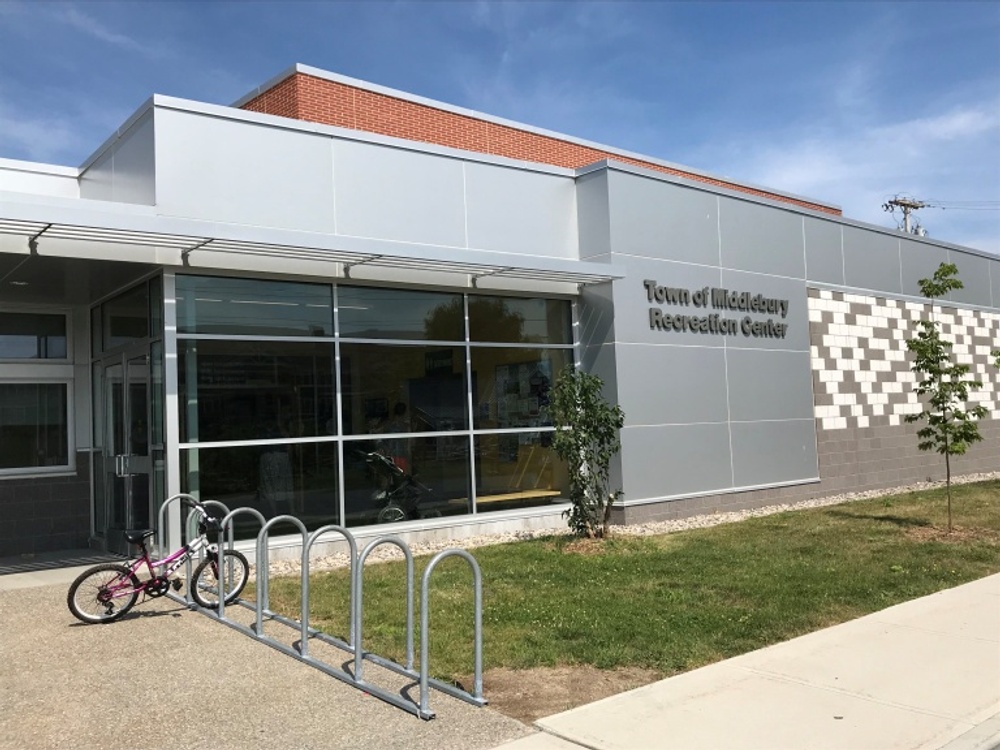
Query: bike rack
[[300, 649], [161, 537]]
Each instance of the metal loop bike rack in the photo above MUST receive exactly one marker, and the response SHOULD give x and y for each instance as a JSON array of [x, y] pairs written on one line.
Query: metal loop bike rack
[[182, 498], [476, 696], [358, 586], [300, 649]]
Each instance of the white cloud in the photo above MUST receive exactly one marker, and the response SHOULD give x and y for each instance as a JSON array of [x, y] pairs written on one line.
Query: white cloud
[[39, 138], [949, 156], [73, 16]]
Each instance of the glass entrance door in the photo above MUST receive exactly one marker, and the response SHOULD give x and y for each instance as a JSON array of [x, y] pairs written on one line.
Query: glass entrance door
[[126, 457]]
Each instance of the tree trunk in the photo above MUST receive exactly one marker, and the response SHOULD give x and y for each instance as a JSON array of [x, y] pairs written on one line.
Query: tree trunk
[[947, 475]]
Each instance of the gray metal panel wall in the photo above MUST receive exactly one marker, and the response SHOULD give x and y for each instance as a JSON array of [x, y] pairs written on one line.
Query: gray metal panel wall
[[760, 239], [791, 291], [974, 273], [677, 384], [97, 182], [517, 211], [631, 299], [655, 219], [824, 259], [707, 412], [242, 173], [126, 172], [995, 281], [673, 460], [871, 260], [918, 261], [596, 315], [399, 195], [592, 216], [766, 453], [892, 263], [767, 385], [38, 182], [261, 174]]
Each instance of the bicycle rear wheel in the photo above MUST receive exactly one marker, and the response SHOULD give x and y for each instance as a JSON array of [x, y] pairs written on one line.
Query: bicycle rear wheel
[[205, 581], [103, 593]]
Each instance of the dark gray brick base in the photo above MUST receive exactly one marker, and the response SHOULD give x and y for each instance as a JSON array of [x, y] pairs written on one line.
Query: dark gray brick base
[[46, 514]]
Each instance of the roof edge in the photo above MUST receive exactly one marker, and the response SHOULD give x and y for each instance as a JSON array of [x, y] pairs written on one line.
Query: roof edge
[[299, 68]]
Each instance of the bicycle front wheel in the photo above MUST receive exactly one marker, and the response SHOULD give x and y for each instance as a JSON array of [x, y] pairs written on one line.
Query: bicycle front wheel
[[103, 593], [205, 582]]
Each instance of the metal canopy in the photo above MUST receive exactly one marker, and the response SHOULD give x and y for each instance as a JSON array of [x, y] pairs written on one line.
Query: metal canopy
[[547, 269]]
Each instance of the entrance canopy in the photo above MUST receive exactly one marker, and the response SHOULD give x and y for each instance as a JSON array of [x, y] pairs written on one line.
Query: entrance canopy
[[97, 230]]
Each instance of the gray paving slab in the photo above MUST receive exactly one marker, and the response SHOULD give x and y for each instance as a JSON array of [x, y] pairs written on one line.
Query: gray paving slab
[[167, 677], [923, 675]]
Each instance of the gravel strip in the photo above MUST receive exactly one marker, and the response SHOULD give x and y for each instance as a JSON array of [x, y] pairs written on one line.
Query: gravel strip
[[390, 552]]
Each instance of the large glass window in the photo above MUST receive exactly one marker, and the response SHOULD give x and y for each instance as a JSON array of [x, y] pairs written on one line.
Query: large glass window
[[279, 478], [126, 318], [512, 385], [32, 335], [251, 390], [207, 304], [432, 482], [369, 313], [519, 469], [34, 426], [403, 388], [515, 320], [418, 434]]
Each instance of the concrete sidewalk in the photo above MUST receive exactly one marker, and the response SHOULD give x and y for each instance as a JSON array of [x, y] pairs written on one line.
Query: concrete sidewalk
[[166, 677], [921, 675], [924, 674]]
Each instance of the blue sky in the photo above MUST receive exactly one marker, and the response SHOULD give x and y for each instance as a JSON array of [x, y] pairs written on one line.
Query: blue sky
[[847, 102]]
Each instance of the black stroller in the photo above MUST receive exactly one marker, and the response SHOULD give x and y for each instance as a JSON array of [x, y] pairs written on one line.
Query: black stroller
[[398, 495]]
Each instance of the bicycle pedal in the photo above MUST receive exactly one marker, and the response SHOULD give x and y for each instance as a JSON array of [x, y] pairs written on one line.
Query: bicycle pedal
[[177, 583]]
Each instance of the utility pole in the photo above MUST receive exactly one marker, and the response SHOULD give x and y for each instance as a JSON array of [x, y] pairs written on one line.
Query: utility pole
[[907, 205]]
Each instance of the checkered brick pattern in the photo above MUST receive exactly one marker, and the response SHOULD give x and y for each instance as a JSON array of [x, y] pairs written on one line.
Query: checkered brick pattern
[[861, 366]]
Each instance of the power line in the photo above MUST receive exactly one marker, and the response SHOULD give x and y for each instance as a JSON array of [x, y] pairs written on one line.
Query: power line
[[964, 205]]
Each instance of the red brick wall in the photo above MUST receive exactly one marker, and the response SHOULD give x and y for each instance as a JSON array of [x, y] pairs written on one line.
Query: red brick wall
[[305, 97]]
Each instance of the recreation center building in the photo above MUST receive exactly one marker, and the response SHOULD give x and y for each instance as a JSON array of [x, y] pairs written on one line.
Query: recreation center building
[[253, 303]]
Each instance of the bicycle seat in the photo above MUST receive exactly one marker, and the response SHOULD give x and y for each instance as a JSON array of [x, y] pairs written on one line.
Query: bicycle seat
[[138, 536]]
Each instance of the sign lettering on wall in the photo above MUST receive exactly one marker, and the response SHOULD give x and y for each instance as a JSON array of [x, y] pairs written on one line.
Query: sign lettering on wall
[[717, 323]]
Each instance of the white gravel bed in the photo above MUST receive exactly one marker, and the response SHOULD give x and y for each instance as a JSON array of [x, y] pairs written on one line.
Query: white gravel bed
[[390, 552]]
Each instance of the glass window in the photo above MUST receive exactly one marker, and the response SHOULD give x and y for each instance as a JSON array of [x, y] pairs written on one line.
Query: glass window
[[95, 331], [379, 489], [511, 385], [126, 318], [516, 470], [208, 304], [253, 390], [294, 478], [428, 381], [32, 335], [34, 427], [366, 312], [520, 321]]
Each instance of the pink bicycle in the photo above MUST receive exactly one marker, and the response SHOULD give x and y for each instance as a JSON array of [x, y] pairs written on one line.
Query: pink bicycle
[[104, 593]]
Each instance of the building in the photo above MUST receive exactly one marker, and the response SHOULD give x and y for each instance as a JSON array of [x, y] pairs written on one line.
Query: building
[[254, 304]]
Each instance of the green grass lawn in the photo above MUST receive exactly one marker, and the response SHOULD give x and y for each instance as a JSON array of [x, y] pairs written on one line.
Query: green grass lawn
[[678, 601]]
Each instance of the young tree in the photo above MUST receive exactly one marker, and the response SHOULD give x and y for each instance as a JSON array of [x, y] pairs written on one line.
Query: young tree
[[951, 424], [586, 438]]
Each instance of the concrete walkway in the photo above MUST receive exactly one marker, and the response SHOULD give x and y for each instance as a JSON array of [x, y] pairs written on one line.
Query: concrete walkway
[[166, 677], [924, 674], [921, 675]]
